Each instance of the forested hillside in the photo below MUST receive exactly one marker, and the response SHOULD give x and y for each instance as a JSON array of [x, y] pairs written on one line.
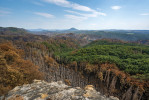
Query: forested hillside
[[12, 31], [114, 67], [128, 57]]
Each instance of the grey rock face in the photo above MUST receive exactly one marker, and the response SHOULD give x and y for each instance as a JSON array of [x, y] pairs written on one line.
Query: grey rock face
[[41, 90]]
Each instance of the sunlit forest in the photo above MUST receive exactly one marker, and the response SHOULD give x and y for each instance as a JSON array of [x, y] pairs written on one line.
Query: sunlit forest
[[74, 50], [25, 56]]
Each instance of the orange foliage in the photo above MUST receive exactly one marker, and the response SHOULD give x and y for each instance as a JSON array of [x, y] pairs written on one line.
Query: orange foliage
[[50, 61], [108, 66], [6, 47], [14, 70], [67, 82], [100, 76], [91, 68], [124, 78]]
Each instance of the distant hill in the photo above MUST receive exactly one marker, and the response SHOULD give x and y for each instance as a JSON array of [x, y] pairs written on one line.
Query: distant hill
[[72, 29], [12, 31], [37, 30], [13, 34], [140, 36], [51, 30]]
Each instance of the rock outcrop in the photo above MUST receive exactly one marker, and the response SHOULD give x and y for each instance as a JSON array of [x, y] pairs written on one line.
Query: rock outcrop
[[41, 90]]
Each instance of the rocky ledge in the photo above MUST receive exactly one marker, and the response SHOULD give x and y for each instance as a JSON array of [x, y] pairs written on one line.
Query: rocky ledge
[[41, 90]]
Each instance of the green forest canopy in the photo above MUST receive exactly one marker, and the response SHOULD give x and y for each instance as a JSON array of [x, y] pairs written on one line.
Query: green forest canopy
[[131, 58]]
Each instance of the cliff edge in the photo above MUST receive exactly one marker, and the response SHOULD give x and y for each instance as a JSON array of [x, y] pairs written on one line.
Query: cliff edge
[[41, 90]]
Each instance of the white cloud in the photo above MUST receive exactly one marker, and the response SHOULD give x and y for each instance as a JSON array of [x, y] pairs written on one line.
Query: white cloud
[[145, 14], [76, 18], [94, 14], [3, 12], [80, 7], [65, 3], [47, 15], [75, 6], [84, 15], [116, 7], [74, 12]]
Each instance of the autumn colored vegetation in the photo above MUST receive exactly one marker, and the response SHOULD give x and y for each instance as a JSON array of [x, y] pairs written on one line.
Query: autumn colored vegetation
[[14, 70], [122, 60]]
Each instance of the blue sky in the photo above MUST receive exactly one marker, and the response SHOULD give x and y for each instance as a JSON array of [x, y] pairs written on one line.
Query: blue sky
[[81, 14]]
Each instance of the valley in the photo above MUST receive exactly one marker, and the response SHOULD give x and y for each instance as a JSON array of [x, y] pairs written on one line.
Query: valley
[[116, 65]]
